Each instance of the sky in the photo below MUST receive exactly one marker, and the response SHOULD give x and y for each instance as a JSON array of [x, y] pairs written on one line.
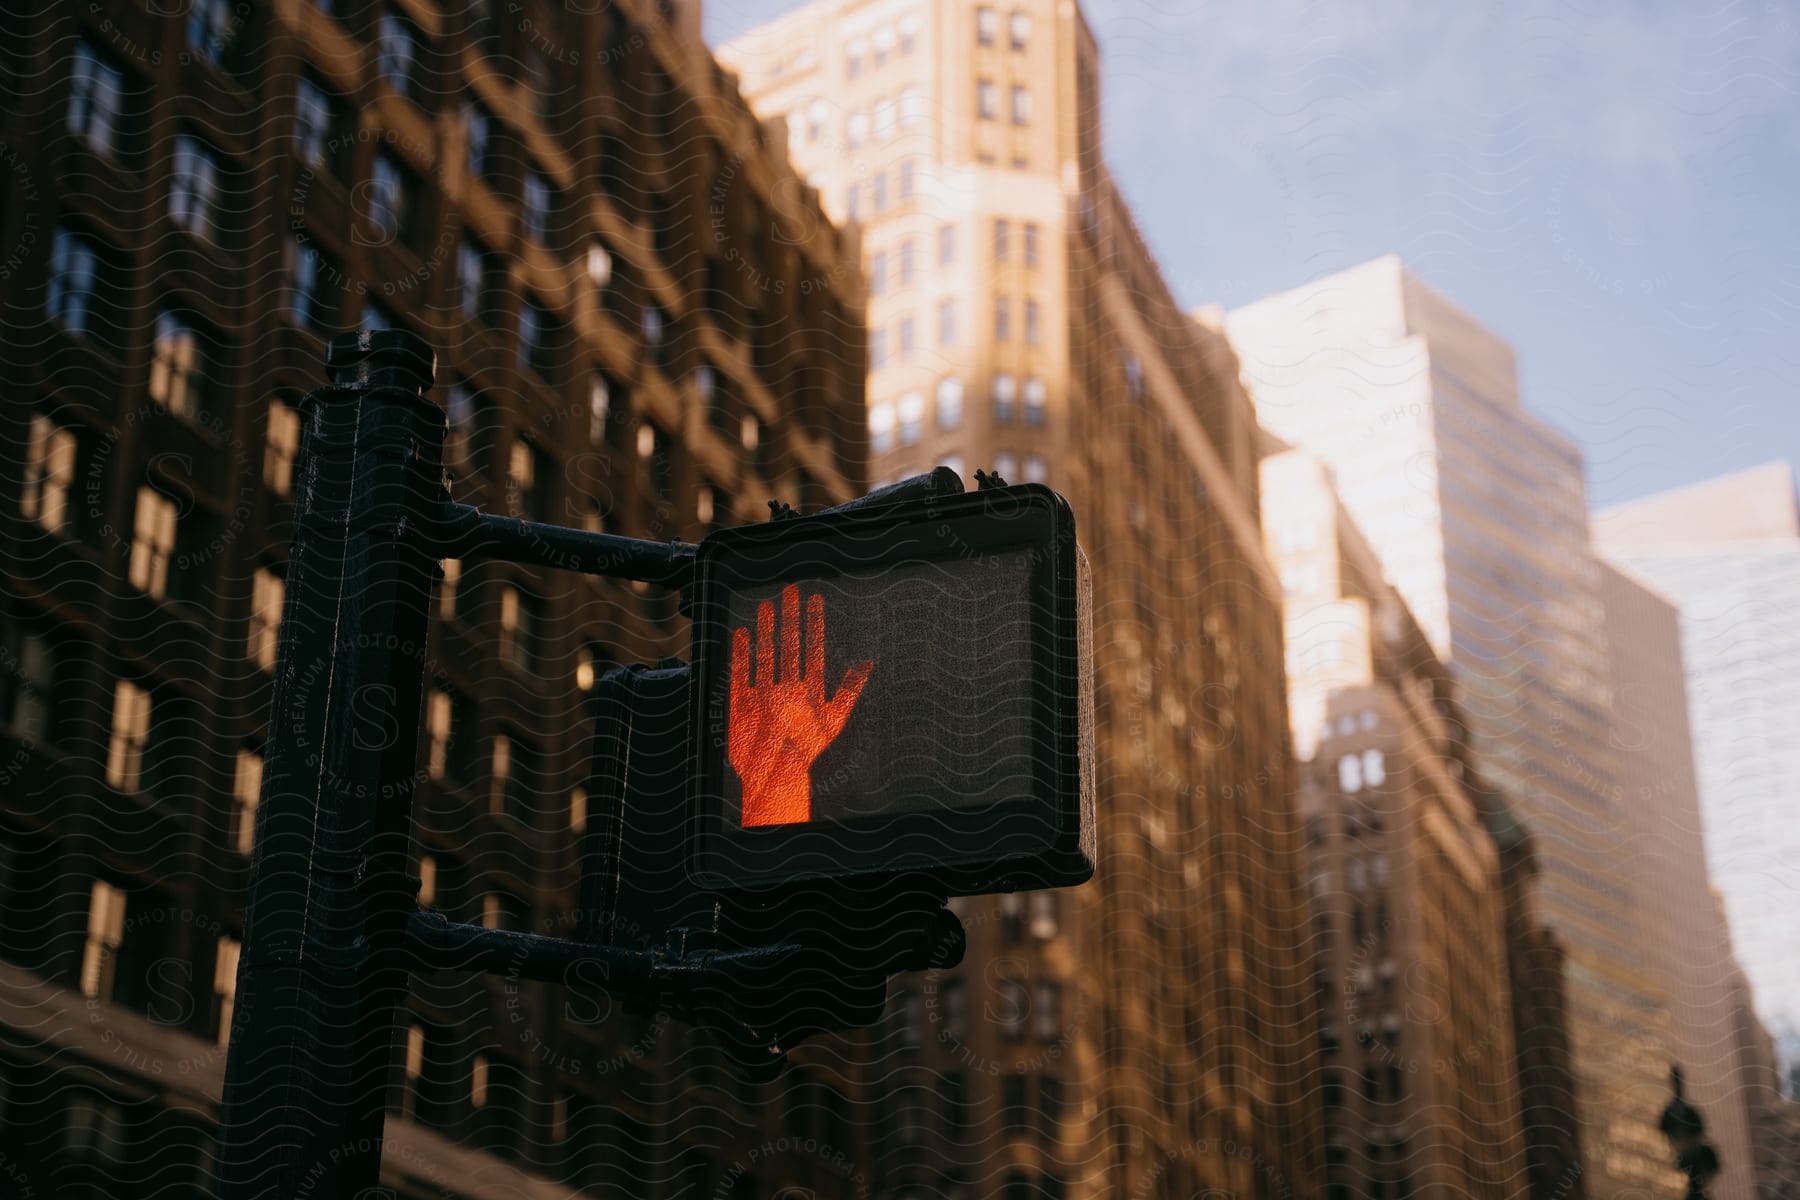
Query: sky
[[1612, 187]]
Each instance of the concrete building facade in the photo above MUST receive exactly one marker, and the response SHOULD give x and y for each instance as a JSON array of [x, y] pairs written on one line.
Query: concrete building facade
[[1476, 511], [1417, 1069], [637, 332], [1144, 1036]]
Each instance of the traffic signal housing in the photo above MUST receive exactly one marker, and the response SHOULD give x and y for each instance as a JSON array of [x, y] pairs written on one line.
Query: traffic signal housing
[[889, 690]]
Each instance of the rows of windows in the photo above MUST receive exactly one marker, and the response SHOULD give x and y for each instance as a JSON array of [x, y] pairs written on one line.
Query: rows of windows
[[903, 422], [908, 109], [987, 27], [987, 102], [885, 42]]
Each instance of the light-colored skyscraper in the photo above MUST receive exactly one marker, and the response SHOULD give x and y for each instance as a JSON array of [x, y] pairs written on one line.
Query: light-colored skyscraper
[[1685, 939], [1476, 510], [1142, 1036], [1727, 552], [1416, 1071]]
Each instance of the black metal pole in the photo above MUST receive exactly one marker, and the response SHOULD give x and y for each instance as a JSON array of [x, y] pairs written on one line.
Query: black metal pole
[[323, 966]]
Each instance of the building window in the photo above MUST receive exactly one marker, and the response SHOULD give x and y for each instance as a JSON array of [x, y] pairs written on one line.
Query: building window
[[312, 125], [225, 968], [468, 280], [883, 119], [534, 207], [652, 326], [152, 541], [878, 349], [1002, 319], [856, 129], [1002, 238], [105, 935], [478, 128], [947, 323], [1031, 244], [946, 245], [437, 733], [1134, 378], [912, 418], [521, 478], [1036, 469], [955, 463], [1011, 1007], [1033, 327], [282, 448], [909, 33], [913, 107], [209, 29], [909, 178], [71, 293], [1021, 105], [881, 428], [531, 326], [1047, 1012], [987, 25], [194, 188], [878, 192], [518, 628], [1374, 768], [599, 266], [1019, 24], [853, 202], [305, 306], [878, 273], [49, 474], [130, 736], [853, 58], [909, 263], [246, 790], [949, 403], [96, 101], [1350, 775], [1036, 402], [387, 199], [987, 100], [1006, 465], [1006, 394], [265, 617], [394, 57], [906, 339]]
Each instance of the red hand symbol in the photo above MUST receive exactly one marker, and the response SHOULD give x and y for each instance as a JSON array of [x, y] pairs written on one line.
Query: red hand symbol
[[780, 724]]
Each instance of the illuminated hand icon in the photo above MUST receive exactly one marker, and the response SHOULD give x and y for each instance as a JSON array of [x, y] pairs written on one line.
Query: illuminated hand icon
[[781, 722]]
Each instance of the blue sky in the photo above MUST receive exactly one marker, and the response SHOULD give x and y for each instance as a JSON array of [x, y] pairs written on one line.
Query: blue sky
[[1613, 187]]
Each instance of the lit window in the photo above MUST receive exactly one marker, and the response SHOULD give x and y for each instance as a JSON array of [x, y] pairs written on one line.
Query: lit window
[[1006, 393], [130, 735], [949, 403], [95, 100], [177, 367], [1350, 776], [881, 429], [912, 418], [987, 100], [437, 733], [501, 777], [282, 447], [517, 628], [194, 188], [478, 1073], [225, 969], [599, 407], [152, 541], [427, 898], [246, 790], [578, 810], [947, 323], [1035, 401], [1021, 105], [105, 934], [1019, 24], [394, 57], [599, 265], [49, 474], [987, 25], [265, 617], [1374, 768], [646, 441]]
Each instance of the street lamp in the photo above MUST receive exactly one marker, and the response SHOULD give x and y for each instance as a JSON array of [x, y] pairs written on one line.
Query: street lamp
[[1685, 1128]]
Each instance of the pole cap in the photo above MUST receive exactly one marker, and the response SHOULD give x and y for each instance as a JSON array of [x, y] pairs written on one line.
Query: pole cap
[[381, 358]]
